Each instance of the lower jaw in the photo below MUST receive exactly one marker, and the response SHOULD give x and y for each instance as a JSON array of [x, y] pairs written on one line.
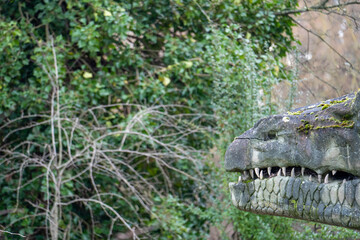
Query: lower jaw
[[336, 203]]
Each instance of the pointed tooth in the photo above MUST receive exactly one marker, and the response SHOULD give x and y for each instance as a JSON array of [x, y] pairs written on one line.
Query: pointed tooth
[[293, 172], [239, 180], [261, 174], [302, 171], [326, 179], [310, 178], [279, 172], [257, 172], [245, 175], [284, 170], [344, 181], [319, 178], [269, 171], [251, 173], [333, 172]]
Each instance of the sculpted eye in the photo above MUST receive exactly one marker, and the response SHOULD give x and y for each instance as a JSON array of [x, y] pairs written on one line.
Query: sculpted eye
[[270, 136]]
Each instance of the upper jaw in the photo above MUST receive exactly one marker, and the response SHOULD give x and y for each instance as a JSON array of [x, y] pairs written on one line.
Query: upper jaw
[[295, 172]]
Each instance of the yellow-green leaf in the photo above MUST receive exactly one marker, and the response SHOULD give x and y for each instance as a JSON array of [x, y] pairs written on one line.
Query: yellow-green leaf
[[276, 68], [87, 75], [165, 80], [108, 124], [107, 13], [188, 64]]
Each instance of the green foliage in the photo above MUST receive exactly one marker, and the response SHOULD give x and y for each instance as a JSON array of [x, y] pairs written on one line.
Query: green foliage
[[322, 231], [108, 112], [180, 220], [243, 80]]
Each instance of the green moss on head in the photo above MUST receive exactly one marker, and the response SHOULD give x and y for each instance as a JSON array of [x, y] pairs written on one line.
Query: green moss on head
[[339, 101], [334, 126], [347, 123], [347, 116], [306, 127], [294, 113], [334, 120], [325, 106], [341, 124]]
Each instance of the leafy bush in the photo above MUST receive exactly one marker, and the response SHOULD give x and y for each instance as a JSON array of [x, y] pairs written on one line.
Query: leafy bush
[[109, 108]]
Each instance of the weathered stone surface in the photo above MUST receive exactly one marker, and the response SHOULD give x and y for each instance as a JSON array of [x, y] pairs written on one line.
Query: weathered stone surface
[[296, 188], [278, 211], [283, 184], [320, 211], [308, 205], [260, 198], [300, 204], [263, 184], [357, 194], [312, 190], [349, 193], [314, 212], [270, 184], [345, 215], [336, 214], [244, 198], [317, 195], [305, 188], [325, 195], [273, 198], [276, 188], [257, 184], [285, 204], [328, 214], [266, 196], [334, 193], [355, 218], [289, 187], [254, 201], [235, 195], [251, 188], [321, 138], [341, 193], [335, 140]]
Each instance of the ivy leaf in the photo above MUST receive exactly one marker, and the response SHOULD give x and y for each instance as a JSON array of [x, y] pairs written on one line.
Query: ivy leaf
[[87, 75], [165, 80], [107, 13]]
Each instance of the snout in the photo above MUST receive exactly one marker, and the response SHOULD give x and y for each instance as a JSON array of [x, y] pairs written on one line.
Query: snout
[[237, 156]]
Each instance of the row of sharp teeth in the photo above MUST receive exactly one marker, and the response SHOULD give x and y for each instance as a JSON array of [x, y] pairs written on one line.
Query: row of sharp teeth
[[282, 172]]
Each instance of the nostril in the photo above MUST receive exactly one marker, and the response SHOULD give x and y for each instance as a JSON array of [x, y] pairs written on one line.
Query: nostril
[[269, 136]]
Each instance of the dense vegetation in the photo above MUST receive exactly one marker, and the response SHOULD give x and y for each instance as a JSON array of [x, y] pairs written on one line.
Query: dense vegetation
[[109, 110]]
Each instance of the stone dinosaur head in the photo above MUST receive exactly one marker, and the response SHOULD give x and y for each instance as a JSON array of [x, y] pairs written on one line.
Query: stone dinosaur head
[[302, 164]]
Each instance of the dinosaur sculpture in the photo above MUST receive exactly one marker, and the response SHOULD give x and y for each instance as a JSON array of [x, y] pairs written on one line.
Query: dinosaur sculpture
[[302, 164]]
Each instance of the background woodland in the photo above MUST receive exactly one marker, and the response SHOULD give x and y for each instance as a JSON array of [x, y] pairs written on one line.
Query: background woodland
[[115, 115]]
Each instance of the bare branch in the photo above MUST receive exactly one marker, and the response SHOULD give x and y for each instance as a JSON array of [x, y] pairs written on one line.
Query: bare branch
[[319, 7], [327, 44]]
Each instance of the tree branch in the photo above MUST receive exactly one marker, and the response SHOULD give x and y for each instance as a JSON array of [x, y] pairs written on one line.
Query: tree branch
[[318, 7], [347, 62]]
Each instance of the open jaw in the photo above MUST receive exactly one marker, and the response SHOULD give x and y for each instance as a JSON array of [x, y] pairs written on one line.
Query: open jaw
[[303, 164], [298, 192]]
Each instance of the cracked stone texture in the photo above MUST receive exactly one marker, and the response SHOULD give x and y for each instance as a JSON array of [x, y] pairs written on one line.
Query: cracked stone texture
[[321, 137], [327, 210], [330, 141]]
